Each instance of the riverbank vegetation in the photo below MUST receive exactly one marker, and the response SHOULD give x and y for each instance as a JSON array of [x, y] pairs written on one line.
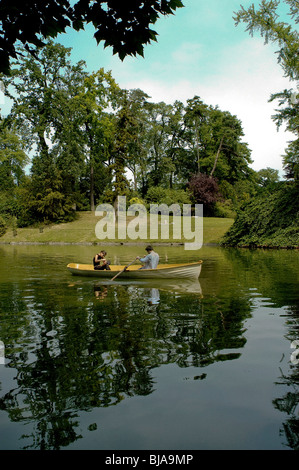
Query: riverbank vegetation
[[270, 220], [75, 139]]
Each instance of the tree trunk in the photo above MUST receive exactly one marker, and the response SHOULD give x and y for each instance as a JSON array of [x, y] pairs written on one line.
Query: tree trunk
[[92, 206], [91, 184], [197, 144], [217, 156]]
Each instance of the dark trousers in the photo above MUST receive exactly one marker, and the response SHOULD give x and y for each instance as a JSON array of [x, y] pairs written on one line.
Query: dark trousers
[[104, 266]]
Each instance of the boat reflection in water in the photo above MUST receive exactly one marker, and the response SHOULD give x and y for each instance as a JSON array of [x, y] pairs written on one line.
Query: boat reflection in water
[[152, 287], [100, 291], [154, 296]]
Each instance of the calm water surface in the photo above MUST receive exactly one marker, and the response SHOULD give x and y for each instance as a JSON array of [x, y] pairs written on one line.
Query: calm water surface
[[124, 365]]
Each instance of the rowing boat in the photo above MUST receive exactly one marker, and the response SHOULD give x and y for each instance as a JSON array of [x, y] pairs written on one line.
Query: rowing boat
[[163, 271]]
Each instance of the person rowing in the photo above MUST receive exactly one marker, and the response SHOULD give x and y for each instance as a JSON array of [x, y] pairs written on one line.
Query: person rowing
[[151, 260]]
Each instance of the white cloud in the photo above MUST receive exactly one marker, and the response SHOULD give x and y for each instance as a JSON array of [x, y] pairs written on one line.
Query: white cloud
[[244, 89], [187, 54], [241, 83]]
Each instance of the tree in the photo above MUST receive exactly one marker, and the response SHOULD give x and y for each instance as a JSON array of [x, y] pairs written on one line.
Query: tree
[[226, 156], [213, 143], [96, 94], [125, 26], [159, 162], [41, 90], [137, 106], [12, 159], [267, 176], [205, 191], [266, 22], [196, 117], [61, 112], [44, 199], [176, 143], [125, 136], [38, 89]]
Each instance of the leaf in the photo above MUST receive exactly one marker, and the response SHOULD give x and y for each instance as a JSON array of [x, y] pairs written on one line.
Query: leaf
[[78, 24], [4, 62]]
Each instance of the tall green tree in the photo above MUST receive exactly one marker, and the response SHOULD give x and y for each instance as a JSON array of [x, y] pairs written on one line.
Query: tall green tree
[[125, 136], [266, 20], [97, 96], [196, 117], [41, 90], [176, 142], [137, 103], [13, 159], [64, 113], [159, 162], [213, 143], [226, 156]]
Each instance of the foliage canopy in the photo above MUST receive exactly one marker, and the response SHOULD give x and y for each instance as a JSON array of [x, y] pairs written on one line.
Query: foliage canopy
[[125, 26]]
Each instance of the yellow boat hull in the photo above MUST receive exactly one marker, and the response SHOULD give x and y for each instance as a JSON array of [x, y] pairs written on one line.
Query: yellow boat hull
[[163, 271]]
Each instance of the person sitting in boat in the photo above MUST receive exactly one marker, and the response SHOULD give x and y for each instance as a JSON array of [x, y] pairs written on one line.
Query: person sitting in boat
[[151, 260], [100, 262]]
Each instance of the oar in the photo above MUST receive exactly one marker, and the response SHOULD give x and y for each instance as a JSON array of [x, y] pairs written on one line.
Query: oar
[[123, 270]]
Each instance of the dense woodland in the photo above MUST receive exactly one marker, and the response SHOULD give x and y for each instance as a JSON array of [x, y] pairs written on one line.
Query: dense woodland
[[74, 139], [91, 141]]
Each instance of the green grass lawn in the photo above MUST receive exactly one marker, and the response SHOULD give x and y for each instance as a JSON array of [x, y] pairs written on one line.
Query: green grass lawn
[[82, 230]]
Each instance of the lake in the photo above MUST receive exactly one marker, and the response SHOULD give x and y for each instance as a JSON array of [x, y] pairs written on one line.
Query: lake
[[203, 365]]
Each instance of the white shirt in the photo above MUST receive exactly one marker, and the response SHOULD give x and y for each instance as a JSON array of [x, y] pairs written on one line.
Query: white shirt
[[151, 260]]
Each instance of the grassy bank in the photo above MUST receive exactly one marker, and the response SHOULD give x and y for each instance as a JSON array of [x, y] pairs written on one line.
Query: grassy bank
[[270, 220], [82, 230]]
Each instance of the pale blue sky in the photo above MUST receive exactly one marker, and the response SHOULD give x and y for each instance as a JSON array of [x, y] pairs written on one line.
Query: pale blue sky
[[201, 52]]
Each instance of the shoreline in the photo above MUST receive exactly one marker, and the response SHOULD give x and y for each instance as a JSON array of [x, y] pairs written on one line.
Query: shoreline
[[104, 243], [250, 247], [91, 243]]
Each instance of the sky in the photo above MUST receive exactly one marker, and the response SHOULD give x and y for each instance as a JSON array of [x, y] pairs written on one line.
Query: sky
[[201, 52]]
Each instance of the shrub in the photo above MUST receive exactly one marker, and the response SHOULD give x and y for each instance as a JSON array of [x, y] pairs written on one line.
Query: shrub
[[270, 219], [205, 191], [225, 209], [159, 195], [3, 226], [136, 200]]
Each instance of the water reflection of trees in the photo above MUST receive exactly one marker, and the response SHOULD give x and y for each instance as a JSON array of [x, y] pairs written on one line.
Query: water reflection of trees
[[275, 276], [76, 351], [274, 273], [289, 403]]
